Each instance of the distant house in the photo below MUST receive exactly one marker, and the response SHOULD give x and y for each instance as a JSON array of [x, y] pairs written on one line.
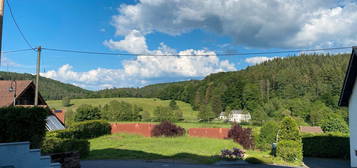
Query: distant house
[[235, 116], [309, 129], [22, 93]]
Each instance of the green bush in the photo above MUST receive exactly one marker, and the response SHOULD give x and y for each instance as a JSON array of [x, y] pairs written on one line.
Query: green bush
[[90, 129], [289, 150], [167, 114], [57, 145], [66, 102], [121, 111], [334, 124], [289, 130], [87, 112], [267, 136], [332, 145], [23, 124], [83, 130]]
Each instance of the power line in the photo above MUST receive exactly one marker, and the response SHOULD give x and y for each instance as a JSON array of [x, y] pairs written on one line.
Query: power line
[[17, 26], [14, 51], [215, 54]]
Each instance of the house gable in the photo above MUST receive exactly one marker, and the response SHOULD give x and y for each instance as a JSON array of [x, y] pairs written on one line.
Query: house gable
[[25, 93]]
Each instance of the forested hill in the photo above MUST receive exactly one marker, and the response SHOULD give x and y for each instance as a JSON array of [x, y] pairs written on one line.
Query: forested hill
[[50, 89], [305, 86]]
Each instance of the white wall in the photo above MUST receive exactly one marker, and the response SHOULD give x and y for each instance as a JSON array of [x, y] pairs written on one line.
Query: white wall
[[353, 125]]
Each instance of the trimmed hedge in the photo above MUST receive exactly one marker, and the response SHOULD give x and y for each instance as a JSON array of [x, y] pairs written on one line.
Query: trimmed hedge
[[327, 145], [84, 130], [289, 150], [23, 124], [58, 145], [91, 129]]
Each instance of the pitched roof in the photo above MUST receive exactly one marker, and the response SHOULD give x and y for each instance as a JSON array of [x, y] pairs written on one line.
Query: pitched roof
[[7, 97], [309, 129], [350, 79]]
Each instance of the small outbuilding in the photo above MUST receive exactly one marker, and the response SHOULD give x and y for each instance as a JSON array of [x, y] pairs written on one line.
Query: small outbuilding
[[348, 99]]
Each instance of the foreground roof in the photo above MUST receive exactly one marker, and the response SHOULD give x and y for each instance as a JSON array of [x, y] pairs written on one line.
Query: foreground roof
[[7, 97], [350, 79]]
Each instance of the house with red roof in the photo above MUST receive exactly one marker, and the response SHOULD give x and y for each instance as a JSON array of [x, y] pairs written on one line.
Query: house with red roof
[[22, 93]]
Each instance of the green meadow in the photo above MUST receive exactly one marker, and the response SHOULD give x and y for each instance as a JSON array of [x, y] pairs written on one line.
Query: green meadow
[[148, 104]]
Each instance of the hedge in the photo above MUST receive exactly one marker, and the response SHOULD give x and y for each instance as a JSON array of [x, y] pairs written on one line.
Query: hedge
[[83, 130], [330, 145], [58, 145], [23, 124], [289, 150]]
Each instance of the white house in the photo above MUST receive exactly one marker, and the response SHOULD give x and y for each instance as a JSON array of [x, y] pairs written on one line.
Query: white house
[[349, 99], [236, 116]]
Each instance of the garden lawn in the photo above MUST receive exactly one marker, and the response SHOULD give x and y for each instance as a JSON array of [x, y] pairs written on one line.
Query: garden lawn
[[185, 148], [129, 146], [148, 104]]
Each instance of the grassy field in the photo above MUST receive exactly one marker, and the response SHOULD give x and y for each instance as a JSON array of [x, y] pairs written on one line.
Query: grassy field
[[187, 149], [148, 104]]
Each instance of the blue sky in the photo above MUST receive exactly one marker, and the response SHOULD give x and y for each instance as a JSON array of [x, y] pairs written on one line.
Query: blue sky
[[187, 27]]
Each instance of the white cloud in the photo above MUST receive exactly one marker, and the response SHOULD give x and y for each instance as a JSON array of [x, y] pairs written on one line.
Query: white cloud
[[259, 23], [134, 42], [258, 60], [146, 69], [6, 62]]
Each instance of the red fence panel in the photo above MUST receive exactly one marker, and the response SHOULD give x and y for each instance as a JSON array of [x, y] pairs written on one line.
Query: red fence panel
[[219, 133], [134, 128]]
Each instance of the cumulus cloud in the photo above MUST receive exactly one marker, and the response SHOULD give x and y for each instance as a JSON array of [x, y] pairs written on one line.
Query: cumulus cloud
[[134, 42], [259, 23], [145, 69], [258, 60]]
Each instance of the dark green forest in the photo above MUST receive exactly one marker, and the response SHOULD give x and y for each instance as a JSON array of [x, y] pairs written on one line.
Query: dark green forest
[[50, 89], [306, 87]]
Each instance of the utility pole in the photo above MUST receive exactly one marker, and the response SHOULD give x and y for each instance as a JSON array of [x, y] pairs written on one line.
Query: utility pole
[[1, 20], [37, 73]]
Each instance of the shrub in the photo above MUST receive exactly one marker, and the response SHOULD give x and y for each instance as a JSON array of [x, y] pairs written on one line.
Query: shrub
[[121, 111], [234, 154], [267, 136], [145, 116], [289, 150], [289, 130], [334, 124], [66, 102], [83, 130], [57, 145], [241, 135], [69, 117], [167, 114], [87, 112], [23, 124], [329, 145], [168, 129]]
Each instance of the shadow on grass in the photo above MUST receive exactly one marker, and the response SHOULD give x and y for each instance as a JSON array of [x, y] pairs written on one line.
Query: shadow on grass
[[124, 154], [111, 153]]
